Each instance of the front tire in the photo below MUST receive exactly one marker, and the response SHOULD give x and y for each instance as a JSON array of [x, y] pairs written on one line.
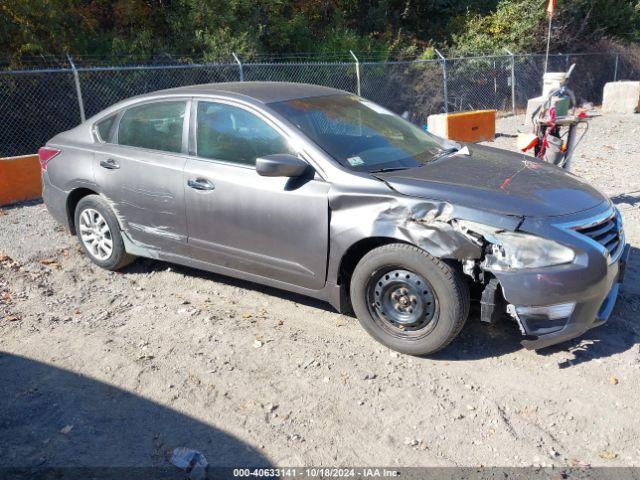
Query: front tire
[[409, 300], [98, 230]]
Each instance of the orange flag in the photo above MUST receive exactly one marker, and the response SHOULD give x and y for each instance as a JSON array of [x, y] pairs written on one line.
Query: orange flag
[[550, 7]]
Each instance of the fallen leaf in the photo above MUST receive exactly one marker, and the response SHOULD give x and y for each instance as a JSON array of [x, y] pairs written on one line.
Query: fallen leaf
[[11, 318], [613, 380], [66, 429], [3, 213], [6, 296], [50, 263], [578, 463], [608, 455]]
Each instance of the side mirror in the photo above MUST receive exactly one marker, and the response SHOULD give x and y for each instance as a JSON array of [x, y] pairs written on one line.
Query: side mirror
[[280, 165]]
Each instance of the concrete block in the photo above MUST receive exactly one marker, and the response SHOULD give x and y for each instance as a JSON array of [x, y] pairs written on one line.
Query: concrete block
[[532, 105], [437, 124], [621, 97]]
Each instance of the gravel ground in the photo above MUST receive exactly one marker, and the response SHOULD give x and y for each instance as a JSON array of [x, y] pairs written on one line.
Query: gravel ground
[[102, 368]]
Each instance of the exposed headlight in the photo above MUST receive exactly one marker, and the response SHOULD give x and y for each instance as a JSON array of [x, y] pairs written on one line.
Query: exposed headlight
[[515, 250]]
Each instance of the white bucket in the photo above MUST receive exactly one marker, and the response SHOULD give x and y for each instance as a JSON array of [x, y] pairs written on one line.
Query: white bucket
[[552, 81]]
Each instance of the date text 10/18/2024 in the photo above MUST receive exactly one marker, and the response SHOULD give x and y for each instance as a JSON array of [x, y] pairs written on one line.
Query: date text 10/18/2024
[[316, 472]]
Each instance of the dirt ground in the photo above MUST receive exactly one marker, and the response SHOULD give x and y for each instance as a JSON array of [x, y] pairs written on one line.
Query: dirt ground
[[101, 368]]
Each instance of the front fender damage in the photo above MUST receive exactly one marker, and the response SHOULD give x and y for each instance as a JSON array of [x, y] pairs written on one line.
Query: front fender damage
[[428, 224]]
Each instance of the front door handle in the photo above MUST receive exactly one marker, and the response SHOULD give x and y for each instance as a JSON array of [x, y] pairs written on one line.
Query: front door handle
[[109, 164], [200, 184]]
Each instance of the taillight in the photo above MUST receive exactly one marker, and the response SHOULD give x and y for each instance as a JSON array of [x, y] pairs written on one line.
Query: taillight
[[45, 154]]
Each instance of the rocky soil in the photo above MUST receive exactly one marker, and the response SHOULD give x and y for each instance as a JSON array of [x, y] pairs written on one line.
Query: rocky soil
[[101, 368]]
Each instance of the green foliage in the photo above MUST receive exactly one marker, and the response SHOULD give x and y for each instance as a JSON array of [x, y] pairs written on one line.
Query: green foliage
[[214, 28], [521, 26], [516, 24]]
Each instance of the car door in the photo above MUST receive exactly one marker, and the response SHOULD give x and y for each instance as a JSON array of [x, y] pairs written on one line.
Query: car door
[[140, 171], [274, 227]]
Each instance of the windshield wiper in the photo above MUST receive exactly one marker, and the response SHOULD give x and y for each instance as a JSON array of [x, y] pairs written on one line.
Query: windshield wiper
[[389, 169], [445, 153], [448, 152]]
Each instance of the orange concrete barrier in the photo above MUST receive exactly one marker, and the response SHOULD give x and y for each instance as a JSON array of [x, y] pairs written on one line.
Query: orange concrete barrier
[[475, 126], [19, 179]]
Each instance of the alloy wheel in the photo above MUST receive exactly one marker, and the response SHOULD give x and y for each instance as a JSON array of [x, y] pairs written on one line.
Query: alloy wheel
[[95, 234]]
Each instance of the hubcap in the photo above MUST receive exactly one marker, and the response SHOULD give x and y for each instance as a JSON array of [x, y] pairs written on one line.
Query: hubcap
[[95, 234], [402, 302]]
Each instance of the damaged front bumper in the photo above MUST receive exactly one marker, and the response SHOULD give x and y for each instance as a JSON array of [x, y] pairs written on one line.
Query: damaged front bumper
[[581, 300]]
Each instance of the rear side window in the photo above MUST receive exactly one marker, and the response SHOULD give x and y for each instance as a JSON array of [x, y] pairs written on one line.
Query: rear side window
[[234, 135], [104, 128], [157, 126]]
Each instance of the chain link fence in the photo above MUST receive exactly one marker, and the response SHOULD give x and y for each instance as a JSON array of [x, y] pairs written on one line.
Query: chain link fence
[[36, 104]]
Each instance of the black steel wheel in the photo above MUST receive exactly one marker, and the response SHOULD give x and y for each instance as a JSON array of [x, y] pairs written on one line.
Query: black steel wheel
[[409, 300], [402, 302]]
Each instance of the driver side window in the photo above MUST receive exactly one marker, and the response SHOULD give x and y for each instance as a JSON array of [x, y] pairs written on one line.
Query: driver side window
[[225, 132]]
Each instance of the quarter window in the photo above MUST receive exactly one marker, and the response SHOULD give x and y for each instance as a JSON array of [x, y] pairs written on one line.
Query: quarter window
[[104, 128], [157, 126], [232, 134]]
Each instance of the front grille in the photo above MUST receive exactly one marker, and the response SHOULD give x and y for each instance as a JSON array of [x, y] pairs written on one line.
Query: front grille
[[607, 232]]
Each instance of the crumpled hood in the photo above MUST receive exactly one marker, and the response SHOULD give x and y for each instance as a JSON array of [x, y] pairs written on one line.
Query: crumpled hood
[[498, 181]]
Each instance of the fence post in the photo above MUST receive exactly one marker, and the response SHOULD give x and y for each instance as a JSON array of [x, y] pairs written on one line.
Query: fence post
[[615, 68], [513, 80], [240, 68], [76, 80], [443, 61], [357, 71]]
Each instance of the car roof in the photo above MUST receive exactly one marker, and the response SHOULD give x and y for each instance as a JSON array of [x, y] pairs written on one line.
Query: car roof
[[264, 92]]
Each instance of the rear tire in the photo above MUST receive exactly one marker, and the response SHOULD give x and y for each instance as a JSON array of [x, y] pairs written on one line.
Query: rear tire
[[409, 300], [98, 230]]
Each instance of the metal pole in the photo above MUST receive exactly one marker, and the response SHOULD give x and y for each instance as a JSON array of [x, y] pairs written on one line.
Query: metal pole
[[357, 71], [615, 68], [76, 80], [240, 68], [546, 58], [513, 81], [444, 80]]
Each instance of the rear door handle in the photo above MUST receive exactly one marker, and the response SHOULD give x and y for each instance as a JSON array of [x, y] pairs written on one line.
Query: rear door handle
[[200, 184], [109, 164]]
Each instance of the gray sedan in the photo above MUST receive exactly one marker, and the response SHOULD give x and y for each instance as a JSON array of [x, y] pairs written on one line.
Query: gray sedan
[[320, 192]]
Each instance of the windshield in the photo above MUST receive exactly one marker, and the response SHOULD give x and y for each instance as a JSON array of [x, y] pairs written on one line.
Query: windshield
[[359, 134]]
